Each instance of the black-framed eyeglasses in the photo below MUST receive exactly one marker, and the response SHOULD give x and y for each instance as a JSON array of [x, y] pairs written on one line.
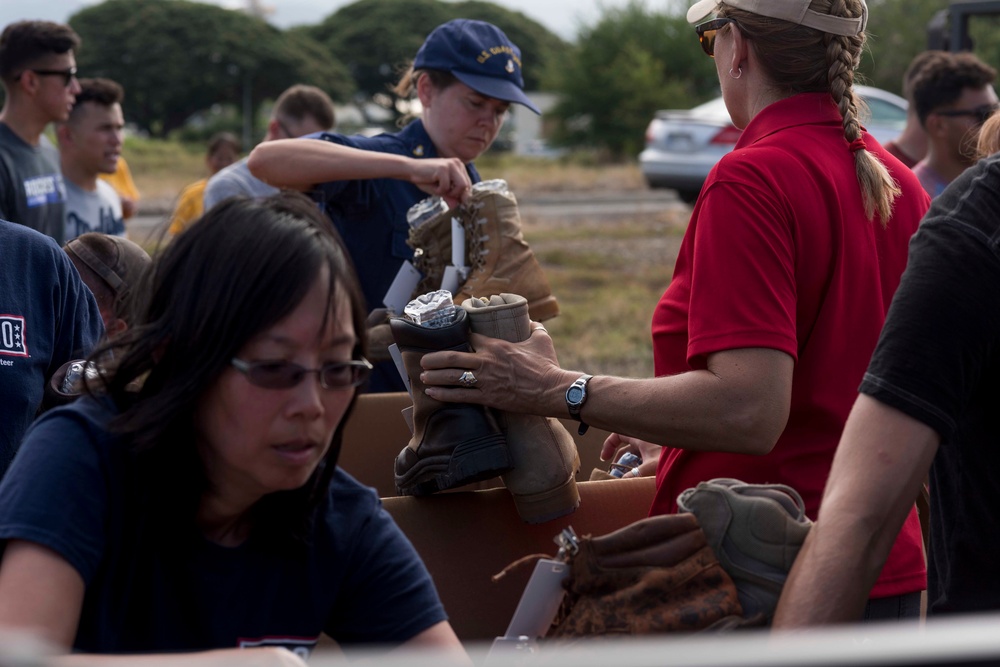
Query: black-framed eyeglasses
[[980, 113], [706, 33], [285, 374], [67, 74]]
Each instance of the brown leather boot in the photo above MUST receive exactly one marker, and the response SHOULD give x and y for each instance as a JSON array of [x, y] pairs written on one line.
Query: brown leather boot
[[453, 443], [497, 254], [543, 480], [500, 259], [431, 243]]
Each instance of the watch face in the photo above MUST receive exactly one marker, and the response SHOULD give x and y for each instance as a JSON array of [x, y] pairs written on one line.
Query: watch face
[[574, 395]]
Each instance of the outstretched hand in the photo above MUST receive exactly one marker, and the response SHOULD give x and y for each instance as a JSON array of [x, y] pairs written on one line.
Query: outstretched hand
[[517, 377], [616, 444]]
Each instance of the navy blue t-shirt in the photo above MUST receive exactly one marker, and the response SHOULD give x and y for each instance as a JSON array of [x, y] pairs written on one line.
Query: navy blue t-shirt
[[370, 215], [48, 316], [74, 489]]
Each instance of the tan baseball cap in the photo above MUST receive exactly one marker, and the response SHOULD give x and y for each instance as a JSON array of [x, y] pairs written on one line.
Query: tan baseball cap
[[793, 11]]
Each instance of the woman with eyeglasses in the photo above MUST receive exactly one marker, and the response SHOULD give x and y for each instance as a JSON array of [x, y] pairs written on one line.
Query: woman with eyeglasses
[[192, 502], [794, 249]]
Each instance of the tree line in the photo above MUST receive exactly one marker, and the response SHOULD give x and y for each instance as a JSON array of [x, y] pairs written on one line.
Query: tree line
[[176, 58]]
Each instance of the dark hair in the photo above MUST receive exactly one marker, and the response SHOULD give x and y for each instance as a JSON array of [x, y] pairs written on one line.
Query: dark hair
[[919, 62], [799, 59], [301, 102], [941, 82], [24, 43], [103, 92], [221, 140], [406, 85], [244, 266]]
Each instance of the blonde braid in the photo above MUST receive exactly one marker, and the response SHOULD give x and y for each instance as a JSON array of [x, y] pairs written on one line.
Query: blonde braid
[[878, 189]]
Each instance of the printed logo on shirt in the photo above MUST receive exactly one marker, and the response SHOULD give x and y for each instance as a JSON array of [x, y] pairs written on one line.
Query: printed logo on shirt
[[12, 341], [42, 190], [301, 646], [107, 223]]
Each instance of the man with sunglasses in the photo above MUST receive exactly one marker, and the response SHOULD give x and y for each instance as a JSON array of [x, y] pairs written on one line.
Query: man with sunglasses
[[953, 96], [38, 71]]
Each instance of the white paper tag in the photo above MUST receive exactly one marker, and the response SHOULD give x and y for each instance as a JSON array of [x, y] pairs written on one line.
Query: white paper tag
[[402, 287], [457, 243], [407, 413], [397, 359], [453, 279], [540, 600]]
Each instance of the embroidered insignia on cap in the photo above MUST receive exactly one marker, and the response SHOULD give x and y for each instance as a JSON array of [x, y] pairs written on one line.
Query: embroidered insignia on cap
[[419, 151], [510, 67]]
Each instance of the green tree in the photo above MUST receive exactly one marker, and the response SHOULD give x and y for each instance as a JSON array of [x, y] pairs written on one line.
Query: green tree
[[378, 38], [897, 31], [539, 46], [175, 58], [622, 69], [374, 38]]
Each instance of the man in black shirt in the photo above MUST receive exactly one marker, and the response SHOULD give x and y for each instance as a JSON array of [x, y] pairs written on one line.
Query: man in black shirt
[[930, 400]]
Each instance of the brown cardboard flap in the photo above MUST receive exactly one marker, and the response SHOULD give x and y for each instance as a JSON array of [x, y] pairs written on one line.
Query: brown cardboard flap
[[466, 537]]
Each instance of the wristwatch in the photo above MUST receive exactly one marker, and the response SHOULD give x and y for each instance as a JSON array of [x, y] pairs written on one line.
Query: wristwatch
[[576, 396]]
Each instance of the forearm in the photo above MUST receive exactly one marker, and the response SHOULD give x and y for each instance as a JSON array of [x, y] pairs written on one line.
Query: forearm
[[882, 459], [302, 163], [695, 410], [738, 404], [833, 574]]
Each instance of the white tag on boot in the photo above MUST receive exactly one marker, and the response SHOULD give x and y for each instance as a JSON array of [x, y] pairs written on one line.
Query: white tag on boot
[[402, 287], [397, 358], [453, 279], [457, 243], [540, 601]]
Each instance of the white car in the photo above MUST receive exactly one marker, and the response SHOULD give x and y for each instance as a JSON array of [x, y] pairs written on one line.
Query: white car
[[683, 146]]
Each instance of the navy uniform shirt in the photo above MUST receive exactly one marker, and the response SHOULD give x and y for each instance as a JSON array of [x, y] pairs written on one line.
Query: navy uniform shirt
[[370, 215]]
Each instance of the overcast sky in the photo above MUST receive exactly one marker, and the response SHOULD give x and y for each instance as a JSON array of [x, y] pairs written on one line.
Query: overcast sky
[[562, 17]]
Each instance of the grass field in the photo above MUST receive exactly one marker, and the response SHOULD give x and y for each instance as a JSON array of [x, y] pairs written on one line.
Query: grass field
[[608, 274], [606, 271]]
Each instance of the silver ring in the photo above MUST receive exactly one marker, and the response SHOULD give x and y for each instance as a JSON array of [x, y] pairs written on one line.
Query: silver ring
[[467, 379], [635, 471], [540, 328]]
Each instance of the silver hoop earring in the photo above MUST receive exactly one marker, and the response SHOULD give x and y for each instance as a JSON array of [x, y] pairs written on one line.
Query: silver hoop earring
[[739, 73]]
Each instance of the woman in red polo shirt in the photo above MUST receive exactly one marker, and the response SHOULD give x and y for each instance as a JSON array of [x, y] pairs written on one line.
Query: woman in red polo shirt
[[793, 252]]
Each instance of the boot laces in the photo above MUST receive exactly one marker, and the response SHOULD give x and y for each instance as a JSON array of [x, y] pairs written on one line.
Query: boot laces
[[477, 241]]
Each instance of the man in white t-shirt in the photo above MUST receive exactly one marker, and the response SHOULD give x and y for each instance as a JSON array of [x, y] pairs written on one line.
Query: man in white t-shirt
[[299, 111], [90, 143]]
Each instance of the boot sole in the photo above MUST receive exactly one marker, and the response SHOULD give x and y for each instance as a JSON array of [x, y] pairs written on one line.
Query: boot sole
[[543, 309], [470, 462], [551, 504]]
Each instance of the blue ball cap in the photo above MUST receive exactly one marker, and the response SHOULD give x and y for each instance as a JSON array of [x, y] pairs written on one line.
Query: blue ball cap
[[479, 55]]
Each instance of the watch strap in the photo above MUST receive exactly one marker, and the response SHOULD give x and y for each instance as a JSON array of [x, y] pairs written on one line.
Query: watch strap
[[574, 407]]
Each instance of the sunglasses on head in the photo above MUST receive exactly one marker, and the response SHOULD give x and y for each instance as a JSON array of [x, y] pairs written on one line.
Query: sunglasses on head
[[980, 113], [706, 33], [285, 374], [67, 74]]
